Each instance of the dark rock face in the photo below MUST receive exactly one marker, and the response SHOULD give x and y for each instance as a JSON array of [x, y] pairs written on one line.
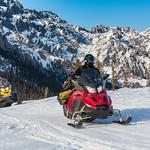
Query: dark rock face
[[100, 29], [14, 8]]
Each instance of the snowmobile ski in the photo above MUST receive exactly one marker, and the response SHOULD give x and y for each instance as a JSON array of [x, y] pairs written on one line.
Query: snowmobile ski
[[124, 121], [77, 120], [78, 125]]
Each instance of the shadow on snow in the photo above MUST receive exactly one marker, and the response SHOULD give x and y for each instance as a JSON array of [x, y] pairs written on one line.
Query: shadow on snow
[[138, 115]]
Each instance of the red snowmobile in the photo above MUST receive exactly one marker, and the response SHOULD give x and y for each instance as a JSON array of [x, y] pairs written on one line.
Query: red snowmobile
[[89, 101]]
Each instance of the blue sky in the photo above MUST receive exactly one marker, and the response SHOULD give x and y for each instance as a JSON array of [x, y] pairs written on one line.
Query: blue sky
[[89, 13]]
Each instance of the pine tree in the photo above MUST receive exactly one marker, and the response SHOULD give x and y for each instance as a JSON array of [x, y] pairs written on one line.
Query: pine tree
[[126, 78], [148, 76], [99, 64], [46, 92], [114, 75]]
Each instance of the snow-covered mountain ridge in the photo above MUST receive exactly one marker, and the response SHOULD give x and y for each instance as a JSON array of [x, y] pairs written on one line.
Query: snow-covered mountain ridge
[[41, 125], [42, 44]]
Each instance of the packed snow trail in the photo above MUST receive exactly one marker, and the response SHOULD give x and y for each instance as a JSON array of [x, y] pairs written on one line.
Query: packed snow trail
[[41, 125]]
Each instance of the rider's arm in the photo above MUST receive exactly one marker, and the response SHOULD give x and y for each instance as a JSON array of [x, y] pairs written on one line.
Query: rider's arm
[[77, 73]]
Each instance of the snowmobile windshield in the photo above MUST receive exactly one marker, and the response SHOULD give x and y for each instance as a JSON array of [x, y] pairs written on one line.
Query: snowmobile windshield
[[4, 83], [90, 77]]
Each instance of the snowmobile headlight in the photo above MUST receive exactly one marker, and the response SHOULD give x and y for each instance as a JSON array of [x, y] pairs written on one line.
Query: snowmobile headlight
[[99, 89], [2, 89], [7, 88], [90, 89]]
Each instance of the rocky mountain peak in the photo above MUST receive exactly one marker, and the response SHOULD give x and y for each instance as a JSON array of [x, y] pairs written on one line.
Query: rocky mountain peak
[[11, 7], [147, 32], [9, 2]]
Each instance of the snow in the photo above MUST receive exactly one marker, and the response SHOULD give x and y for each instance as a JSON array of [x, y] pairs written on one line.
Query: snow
[[4, 9], [38, 22], [5, 1], [27, 15], [11, 37], [34, 55], [11, 4], [25, 49], [5, 30], [17, 16], [41, 125], [147, 31], [26, 33]]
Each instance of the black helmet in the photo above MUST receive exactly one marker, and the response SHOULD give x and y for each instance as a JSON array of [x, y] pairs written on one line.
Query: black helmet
[[89, 59]]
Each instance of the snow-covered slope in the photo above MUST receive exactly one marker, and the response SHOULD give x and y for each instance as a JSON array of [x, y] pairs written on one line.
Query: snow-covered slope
[[42, 44], [41, 125]]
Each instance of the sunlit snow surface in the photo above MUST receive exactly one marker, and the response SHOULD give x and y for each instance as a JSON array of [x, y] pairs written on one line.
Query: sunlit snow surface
[[41, 125]]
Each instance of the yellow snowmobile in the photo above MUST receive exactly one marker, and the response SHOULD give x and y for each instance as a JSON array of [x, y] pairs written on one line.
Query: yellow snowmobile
[[7, 94]]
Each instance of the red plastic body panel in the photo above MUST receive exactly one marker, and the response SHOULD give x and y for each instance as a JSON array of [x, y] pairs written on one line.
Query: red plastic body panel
[[89, 99]]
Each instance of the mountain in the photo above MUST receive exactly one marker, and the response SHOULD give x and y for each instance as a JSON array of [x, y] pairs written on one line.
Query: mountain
[[39, 47], [127, 48], [36, 44], [41, 125]]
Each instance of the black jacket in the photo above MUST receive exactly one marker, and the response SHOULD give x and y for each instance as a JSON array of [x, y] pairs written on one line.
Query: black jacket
[[84, 68], [79, 75]]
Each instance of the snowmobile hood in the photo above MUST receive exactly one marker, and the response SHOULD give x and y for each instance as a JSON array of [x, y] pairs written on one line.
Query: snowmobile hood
[[94, 100]]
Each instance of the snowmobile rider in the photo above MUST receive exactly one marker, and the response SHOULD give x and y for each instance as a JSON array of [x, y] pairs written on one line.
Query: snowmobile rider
[[88, 65], [89, 68], [79, 73]]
